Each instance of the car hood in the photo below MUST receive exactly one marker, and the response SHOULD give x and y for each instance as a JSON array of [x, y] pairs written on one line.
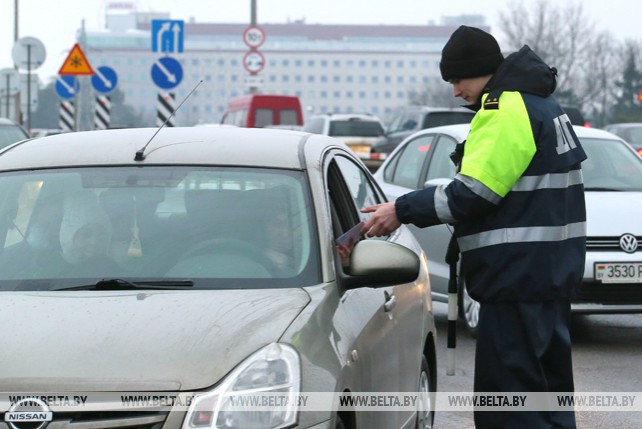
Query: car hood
[[611, 214], [136, 340]]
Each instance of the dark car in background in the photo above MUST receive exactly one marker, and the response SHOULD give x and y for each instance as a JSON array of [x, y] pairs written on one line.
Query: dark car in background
[[11, 132], [415, 118], [631, 132]]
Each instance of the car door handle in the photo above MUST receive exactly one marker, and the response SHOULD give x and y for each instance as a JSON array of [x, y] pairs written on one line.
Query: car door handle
[[391, 302]]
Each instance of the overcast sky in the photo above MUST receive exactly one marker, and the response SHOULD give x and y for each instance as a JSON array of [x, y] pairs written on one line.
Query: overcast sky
[[55, 22]]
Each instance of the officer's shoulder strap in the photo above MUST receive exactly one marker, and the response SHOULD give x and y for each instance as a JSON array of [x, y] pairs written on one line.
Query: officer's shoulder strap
[[492, 101]]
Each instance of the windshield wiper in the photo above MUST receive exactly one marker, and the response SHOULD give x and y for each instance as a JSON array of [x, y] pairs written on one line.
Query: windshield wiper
[[122, 284]]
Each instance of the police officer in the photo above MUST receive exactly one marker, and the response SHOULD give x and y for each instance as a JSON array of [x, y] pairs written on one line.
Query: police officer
[[517, 206]]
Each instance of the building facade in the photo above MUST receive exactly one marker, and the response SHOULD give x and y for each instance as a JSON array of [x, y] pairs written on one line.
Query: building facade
[[332, 68]]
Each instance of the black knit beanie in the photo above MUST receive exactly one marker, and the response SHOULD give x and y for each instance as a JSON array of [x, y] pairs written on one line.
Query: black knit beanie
[[470, 52]]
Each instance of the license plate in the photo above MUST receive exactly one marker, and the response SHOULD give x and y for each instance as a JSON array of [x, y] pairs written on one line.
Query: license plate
[[619, 272]]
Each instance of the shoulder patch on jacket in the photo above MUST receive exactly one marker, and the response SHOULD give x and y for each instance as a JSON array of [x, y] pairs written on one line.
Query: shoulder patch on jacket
[[492, 101]]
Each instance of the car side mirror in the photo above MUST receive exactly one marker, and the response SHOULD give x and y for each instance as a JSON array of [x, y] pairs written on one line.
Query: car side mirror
[[378, 263], [437, 182]]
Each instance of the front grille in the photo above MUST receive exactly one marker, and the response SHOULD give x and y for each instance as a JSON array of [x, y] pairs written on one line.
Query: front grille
[[607, 243], [609, 293], [108, 420]]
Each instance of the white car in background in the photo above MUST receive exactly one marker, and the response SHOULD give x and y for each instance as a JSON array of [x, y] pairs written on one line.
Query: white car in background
[[613, 182], [361, 132]]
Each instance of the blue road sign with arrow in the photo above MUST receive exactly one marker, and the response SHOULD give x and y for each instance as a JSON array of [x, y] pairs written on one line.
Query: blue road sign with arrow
[[104, 79], [167, 35], [167, 73], [67, 86]]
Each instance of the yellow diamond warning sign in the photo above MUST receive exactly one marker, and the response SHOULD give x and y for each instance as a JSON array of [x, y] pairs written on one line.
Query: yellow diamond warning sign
[[76, 63]]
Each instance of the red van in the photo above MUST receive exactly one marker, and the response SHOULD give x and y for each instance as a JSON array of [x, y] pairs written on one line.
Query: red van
[[263, 110]]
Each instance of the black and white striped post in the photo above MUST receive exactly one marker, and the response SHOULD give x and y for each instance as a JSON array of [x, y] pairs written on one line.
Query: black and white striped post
[[165, 109], [67, 120], [102, 109]]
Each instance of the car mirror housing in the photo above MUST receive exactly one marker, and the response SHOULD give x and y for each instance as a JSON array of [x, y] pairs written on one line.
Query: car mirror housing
[[379, 263]]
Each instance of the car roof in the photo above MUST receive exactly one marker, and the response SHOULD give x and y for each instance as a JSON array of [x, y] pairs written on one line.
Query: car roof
[[349, 116], [175, 146], [460, 132], [626, 125], [437, 109]]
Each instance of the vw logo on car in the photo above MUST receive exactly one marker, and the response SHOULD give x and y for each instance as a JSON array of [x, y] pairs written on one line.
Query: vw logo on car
[[28, 413], [629, 243]]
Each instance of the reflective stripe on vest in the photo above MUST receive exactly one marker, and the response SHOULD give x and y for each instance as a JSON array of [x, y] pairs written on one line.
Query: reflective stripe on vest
[[521, 235], [548, 181]]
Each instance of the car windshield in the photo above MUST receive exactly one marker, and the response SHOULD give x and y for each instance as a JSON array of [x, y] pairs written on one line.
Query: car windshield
[[215, 227], [611, 165], [10, 134], [355, 129]]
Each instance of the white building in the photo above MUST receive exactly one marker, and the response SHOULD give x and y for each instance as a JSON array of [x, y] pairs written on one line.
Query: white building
[[332, 68]]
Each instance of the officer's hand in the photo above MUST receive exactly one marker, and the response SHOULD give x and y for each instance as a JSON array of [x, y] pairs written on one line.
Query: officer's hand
[[383, 221]]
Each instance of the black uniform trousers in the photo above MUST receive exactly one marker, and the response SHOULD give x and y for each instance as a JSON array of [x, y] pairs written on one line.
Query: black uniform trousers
[[524, 347]]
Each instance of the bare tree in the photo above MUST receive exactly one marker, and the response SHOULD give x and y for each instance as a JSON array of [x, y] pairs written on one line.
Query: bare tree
[[565, 38], [438, 94]]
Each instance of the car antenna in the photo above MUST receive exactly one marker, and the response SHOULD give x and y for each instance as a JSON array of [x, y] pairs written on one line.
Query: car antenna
[[140, 153]]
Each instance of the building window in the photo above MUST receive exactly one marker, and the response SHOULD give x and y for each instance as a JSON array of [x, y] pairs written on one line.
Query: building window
[[400, 79], [221, 62], [375, 79], [272, 78], [374, 63], [324, 63], [298, 78], [337, 63], [311, 79], [349, 79], [400, 64], [350, 63], [387, 79], [387, 63], [362, 79], [285, 78], [401, 94], [324, 94], [311, 63], [387, 94], [362, 94], [336, 94], [413, 79], [285, 63], [324, 79], [298, 63], [348, 94], [234, 63], [234, 78], [336, 79]]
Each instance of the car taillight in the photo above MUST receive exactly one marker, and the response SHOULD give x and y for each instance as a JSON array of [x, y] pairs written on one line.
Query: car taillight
[[640, 151]]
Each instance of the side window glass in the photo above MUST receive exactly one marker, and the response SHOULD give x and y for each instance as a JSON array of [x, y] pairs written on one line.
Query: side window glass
[[411, 162], [440, 164], [314, 126], [361, 190], [410, 123]]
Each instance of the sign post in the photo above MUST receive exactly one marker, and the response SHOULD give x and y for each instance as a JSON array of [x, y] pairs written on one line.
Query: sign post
[[104, 82], [9, 87], [253, 61], [167, 72], [28, 54]]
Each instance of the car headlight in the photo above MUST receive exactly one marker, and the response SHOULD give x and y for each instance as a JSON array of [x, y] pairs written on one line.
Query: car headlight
[[243, 399]]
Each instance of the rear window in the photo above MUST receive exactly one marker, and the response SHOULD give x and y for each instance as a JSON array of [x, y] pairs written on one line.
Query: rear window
[[263, 118], [438, 119], [288, 117], [355, 129]]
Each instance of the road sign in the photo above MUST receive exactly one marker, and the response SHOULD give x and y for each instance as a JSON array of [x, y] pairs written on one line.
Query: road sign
[[67, 87], [76, 63], [254, 36], [167, 72], [9, 82], [254, 81], [253, 62], [28, 53], [104, 79], [167, 35]]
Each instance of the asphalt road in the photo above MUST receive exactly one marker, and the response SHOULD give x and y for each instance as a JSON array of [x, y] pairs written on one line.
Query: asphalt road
[[607, 357]]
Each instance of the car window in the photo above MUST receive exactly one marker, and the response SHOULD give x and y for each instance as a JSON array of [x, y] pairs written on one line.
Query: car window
[[288, 117], [611, 165], [410, 122], [219, 227], [355, 128], [361, 189], [440, 164], [10, 134], [635, 135], [411, 161], [263, 117], [437, 119]]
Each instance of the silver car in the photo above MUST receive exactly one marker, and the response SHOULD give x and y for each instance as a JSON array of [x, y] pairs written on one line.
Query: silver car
[[613, 183], [202, 262]]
